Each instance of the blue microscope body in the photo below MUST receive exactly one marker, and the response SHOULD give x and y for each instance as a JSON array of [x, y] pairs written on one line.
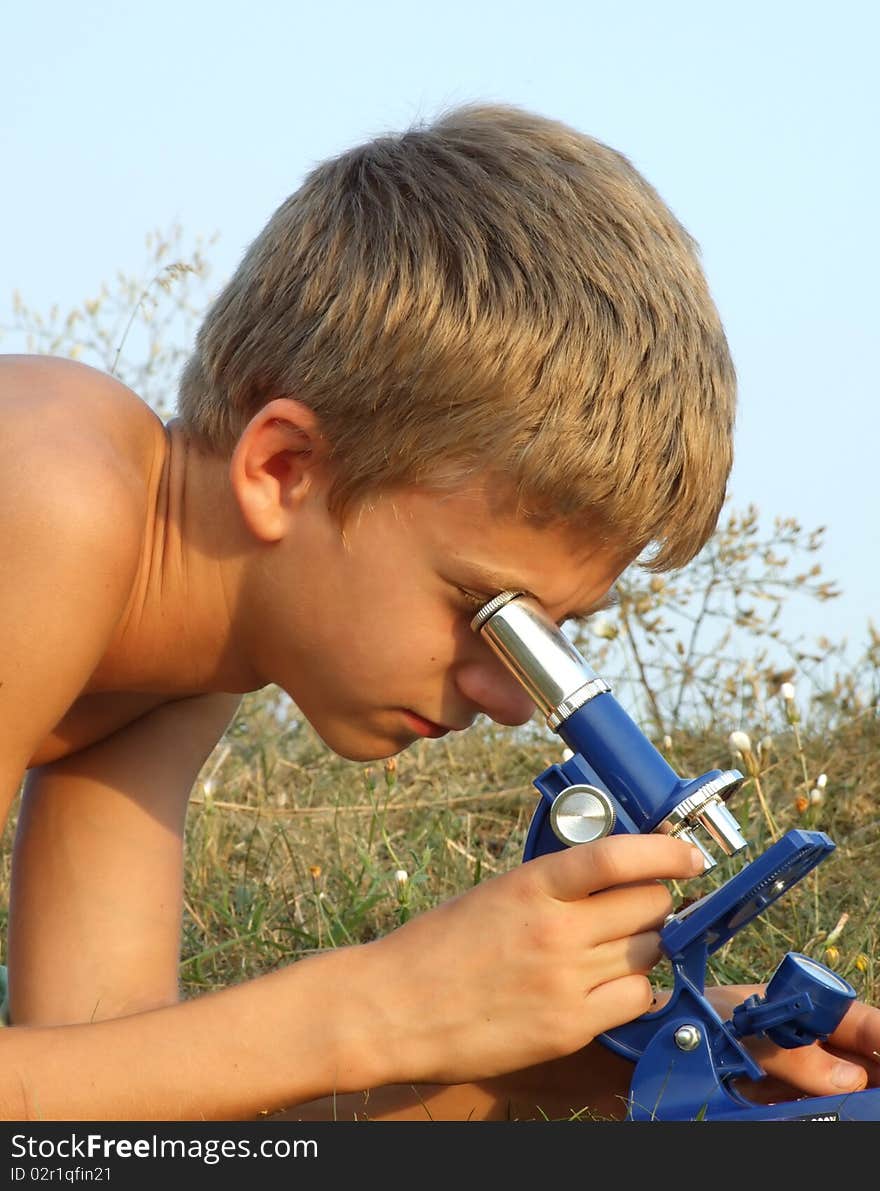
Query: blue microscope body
[[686, 1058]]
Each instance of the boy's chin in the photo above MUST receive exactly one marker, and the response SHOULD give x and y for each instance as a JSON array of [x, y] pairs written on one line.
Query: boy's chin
[[353, 746], [353, 754]]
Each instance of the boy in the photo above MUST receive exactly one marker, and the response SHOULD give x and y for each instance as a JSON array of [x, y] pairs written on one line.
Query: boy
[[480, 355]]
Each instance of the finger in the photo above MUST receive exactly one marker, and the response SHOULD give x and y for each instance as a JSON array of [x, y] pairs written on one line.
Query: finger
[[870, 1065], [618, 1001], [614, 860], [848, 1061], [624, 957], [809, 1069], [859, 1032], [626, 910]]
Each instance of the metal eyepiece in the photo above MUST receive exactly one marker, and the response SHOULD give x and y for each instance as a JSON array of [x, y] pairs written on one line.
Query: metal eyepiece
[[492, 607], [541, 657]]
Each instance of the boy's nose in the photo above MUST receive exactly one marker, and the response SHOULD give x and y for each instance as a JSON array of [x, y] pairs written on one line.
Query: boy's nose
[[495, 692]]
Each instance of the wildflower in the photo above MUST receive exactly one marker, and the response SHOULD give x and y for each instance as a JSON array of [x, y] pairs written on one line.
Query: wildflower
[[832, 955], [208, 789], [766, 744], [314, 871], [667, 742], [801, 804], [838, 929], [604, 628], [821, 781], [816, 796], [791, 711], [862, 962], [401, 880], [740, 742]]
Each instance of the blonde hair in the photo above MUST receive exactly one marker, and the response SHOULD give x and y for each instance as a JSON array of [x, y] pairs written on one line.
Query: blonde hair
[[493, 291]]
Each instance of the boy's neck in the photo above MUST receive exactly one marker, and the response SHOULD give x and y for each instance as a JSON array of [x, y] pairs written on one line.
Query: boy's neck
[[183, 631]]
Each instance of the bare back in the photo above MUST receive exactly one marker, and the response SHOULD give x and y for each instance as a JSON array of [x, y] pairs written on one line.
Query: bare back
[[78, 458]]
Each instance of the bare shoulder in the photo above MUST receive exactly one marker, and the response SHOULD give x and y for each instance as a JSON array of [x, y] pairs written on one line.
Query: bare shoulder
[[56, 406], [76, 451], [75, 457]]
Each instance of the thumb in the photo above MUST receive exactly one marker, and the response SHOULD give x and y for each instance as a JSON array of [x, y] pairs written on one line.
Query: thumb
[[806, 1070]]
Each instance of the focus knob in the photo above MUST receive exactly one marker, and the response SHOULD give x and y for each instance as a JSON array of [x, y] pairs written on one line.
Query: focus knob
[[581, 814]]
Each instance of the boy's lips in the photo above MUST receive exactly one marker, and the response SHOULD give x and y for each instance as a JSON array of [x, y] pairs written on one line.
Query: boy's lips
[[425, 727]]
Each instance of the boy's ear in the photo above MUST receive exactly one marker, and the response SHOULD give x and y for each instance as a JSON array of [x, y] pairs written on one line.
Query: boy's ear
[[275, 464]]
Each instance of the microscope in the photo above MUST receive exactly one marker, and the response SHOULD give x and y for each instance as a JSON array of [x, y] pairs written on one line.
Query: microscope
[[686, 1058]]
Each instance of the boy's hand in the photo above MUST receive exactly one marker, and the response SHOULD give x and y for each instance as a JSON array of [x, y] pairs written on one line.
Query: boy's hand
[[528, 966], [847, 1062]]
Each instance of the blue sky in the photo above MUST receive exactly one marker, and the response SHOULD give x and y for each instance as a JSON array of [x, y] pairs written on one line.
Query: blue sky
[[757, 122]]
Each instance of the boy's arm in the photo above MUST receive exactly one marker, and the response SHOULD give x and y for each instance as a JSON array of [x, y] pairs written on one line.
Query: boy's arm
[[97, 890], [593, 1083], [529, 964], [291, 1035]]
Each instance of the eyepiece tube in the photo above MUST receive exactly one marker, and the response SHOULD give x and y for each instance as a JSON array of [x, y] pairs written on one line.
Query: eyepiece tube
[[618, 754], [547, 665]]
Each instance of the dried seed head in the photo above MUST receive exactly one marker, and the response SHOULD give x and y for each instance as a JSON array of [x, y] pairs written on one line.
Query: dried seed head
[[740, 742]]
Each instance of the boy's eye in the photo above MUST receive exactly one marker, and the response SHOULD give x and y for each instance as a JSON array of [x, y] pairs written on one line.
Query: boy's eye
[[474, 598], [476, 601]]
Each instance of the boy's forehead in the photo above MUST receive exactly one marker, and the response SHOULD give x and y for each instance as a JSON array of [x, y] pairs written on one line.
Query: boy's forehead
[[470, 521]]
